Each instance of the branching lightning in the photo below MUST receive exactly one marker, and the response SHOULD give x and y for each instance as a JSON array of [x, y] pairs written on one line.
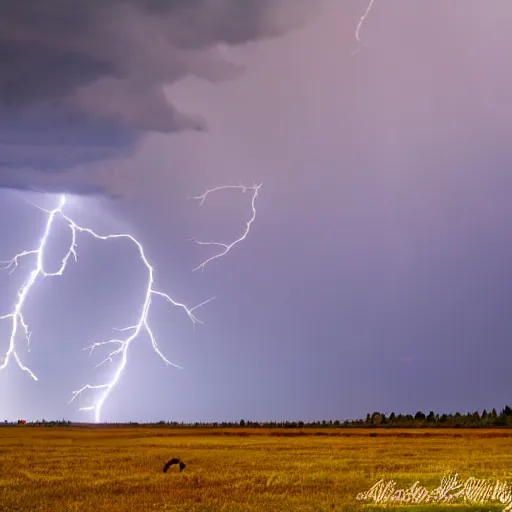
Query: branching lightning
[[225, 248], [119, 345], [122, 345]]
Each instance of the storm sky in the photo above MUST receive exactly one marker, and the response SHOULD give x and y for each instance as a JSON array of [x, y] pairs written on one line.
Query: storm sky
[[377, 275]]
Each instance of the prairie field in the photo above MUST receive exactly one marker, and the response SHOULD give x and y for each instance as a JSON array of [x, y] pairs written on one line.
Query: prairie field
[[259, 470]]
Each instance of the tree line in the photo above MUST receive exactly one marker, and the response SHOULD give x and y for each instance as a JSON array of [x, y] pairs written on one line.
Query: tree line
[[474, 419], [373, 420]]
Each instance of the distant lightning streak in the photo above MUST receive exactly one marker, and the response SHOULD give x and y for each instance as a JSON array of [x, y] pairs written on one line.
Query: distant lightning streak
[[227, 247], [121, 344], [362, 20]]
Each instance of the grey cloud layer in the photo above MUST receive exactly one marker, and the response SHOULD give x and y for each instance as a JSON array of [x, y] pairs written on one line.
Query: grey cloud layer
[[83, 80]]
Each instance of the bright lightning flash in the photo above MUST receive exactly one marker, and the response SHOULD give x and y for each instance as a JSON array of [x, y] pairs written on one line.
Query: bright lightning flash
[[227, 247], [121, 344]]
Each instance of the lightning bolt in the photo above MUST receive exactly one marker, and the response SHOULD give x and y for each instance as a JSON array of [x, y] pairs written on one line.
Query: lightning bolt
[[119, 345], [225, 248], [360, 24], [122, 345]]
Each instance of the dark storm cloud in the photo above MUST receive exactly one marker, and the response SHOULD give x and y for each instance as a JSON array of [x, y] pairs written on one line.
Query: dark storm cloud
[[84, 80]]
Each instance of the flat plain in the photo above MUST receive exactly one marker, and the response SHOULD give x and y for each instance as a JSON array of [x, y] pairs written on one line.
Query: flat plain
[[258, 470]]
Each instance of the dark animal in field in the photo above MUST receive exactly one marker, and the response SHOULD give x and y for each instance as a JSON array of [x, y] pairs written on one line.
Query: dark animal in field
[[172, 462]]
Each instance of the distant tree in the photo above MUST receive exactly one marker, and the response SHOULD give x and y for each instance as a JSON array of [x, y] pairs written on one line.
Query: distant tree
[[419, 416], [431, 417], [502, 420], [376, 418], [392, 417], [507, 411], [242, 423], [368, 419]]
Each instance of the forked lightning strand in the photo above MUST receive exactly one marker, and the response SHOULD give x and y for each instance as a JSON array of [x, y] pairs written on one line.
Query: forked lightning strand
[[363, 19], [227, 247], [122, 345], [360, 25]]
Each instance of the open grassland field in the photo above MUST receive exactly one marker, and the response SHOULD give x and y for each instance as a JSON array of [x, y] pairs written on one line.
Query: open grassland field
[[120, 469]]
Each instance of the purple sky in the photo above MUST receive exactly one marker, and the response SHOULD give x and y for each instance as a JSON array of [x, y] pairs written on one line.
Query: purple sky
[[382, 234]]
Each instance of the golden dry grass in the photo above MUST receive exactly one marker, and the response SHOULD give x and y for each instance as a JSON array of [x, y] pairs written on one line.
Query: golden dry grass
[[120, 469]]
